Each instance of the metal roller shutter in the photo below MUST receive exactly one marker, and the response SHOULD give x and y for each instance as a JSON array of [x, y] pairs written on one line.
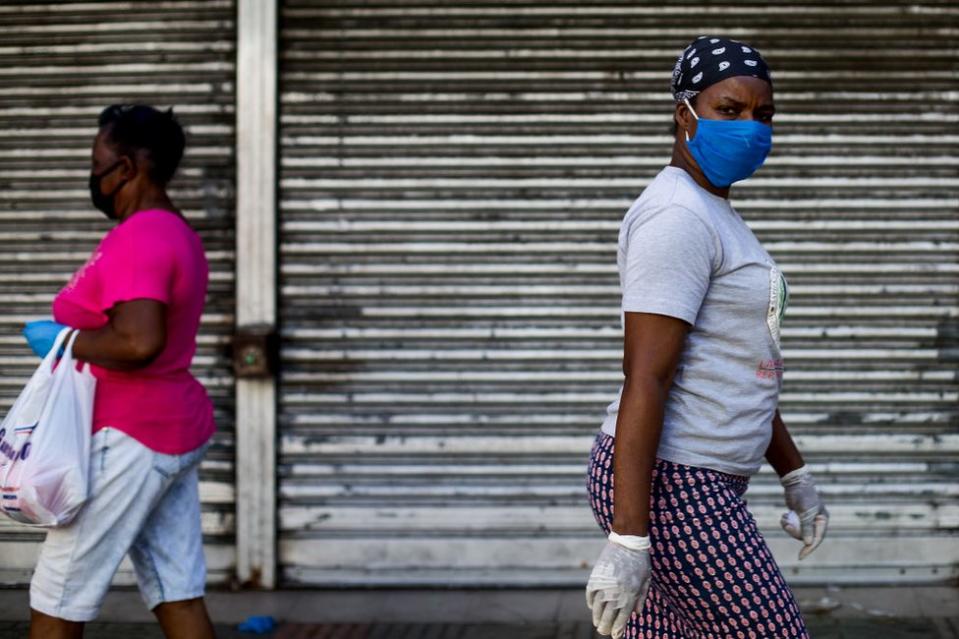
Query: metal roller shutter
[[60, 64], [453, 175]]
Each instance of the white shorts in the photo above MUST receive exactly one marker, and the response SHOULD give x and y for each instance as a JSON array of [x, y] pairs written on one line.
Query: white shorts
[[142, 502]]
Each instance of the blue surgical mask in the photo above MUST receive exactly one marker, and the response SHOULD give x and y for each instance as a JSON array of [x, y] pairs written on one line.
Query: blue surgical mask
[[728, 151]]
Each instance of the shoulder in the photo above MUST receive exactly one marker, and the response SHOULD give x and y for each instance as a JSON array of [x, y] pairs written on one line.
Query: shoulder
[[673, 193], [673, 201], [149, 236], [154, 220], [152, 228], [669, 219]]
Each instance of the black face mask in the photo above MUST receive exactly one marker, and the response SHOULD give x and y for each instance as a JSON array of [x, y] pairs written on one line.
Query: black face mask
[[105, 201]]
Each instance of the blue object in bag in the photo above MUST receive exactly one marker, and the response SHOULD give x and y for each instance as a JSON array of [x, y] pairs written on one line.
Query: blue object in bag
[[258, 625]]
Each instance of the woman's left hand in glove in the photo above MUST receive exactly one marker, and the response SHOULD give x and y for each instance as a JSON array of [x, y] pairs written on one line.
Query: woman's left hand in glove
[[41, 336], [807, 519]]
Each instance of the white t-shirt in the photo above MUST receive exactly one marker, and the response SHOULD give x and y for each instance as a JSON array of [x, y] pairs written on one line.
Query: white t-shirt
[[686, 253]]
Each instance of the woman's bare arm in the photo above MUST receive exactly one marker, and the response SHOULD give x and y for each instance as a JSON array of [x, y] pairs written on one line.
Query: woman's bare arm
[[653, 345]]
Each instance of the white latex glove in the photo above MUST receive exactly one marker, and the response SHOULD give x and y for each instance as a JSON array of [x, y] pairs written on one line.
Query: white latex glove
[[807, 518], [619, 583]]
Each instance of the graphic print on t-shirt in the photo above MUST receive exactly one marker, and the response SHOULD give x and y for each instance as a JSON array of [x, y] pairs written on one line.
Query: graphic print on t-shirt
[[82, 272], [778, 302]]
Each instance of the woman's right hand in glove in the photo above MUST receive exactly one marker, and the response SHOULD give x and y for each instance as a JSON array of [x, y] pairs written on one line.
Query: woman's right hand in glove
[[619, 583], [42, 335]]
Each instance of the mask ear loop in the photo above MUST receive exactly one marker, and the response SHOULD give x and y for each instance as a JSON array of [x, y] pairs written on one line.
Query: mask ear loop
[[691, 110]]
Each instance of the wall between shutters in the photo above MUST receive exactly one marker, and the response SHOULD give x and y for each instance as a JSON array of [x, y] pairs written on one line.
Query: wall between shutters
[[453, 175], [60, 64]]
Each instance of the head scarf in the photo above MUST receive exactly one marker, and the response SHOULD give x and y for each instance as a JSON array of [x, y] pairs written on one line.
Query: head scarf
[[709, 60]]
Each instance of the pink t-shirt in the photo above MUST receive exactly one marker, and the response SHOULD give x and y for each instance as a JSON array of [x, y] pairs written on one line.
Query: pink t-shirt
[[152, 255]]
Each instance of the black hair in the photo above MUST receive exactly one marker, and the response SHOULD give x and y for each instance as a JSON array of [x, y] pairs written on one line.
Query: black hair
[[138, 127]]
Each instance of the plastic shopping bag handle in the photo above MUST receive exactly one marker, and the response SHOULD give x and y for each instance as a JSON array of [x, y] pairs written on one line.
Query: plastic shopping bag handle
[[68, 360], [51, 357]]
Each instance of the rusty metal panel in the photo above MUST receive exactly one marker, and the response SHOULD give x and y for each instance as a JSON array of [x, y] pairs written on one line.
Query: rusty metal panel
[[453, 175], [61, 63]]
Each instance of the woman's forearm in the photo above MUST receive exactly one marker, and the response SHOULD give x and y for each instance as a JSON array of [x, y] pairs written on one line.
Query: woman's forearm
[[134, 337], [638, 430], [782, 453], [108, 349]]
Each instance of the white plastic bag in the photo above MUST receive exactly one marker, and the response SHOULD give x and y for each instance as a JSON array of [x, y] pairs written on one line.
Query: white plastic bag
[[45, 442]]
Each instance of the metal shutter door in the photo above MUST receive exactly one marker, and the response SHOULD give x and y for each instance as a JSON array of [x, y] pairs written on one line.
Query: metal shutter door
[[453, 177], [60, 64]]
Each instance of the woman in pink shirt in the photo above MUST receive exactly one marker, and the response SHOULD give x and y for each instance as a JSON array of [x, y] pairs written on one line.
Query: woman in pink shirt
[[137, 303]]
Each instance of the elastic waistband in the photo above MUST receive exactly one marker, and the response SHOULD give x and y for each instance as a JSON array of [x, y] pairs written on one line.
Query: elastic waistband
[[682, 471], [698, 473]]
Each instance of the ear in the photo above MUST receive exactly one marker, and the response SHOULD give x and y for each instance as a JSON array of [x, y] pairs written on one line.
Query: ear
[[129, 168], [685, 122]]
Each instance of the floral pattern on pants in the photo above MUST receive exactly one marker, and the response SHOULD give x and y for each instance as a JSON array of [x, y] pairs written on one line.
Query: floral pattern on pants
[[713, 575]]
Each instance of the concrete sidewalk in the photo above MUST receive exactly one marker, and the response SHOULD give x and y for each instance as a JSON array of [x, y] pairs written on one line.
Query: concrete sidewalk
[[846, 630], [848, 613]]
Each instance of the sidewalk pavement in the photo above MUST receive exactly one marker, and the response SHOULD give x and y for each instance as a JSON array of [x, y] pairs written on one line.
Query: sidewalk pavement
[[900, 612]]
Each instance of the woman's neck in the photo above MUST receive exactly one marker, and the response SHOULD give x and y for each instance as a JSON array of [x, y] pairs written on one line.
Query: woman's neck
[[150, 199], [683, 160]]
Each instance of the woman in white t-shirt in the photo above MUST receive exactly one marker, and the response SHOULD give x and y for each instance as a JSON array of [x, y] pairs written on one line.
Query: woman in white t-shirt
[[698, 411]]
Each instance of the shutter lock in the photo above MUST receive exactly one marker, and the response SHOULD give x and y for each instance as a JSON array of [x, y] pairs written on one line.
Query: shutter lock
[[255, 351]]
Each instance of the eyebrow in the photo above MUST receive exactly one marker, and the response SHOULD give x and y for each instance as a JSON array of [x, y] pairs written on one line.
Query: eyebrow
[[734, 102]]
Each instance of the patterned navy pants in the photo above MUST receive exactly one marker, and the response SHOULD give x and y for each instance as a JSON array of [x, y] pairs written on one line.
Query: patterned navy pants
[[713, 575]]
